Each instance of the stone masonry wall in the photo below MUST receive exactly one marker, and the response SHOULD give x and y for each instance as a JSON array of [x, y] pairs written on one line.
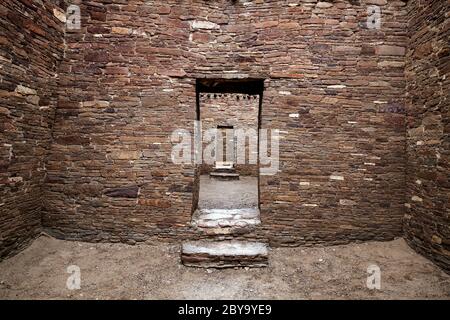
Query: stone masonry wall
[[237, 110], [427, 222], [31, 47], [334, 88]]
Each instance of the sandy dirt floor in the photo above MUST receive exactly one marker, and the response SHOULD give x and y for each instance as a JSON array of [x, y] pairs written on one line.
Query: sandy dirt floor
[[233, 194], [119, 271]]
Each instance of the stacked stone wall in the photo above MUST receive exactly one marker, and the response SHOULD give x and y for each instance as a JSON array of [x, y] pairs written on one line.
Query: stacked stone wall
[[334, 87], [31, 48], [427, 221]]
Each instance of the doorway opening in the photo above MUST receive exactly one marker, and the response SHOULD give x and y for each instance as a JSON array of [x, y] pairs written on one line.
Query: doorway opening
[[228, 185]]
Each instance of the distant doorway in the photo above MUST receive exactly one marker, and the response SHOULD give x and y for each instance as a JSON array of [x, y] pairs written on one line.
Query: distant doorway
[[226, 158]]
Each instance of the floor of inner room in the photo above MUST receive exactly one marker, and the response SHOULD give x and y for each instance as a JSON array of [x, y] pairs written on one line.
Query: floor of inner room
[[120, 271], [225, 205], [228, 194]]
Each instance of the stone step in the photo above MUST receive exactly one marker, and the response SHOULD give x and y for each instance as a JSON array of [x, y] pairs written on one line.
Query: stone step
[[224, 165], [224, 175], [224, 170], [224, 254], [226, 221]]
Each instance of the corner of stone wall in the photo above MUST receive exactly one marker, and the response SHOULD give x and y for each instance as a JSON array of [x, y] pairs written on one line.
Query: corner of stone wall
[[427, 221], [31, 49]]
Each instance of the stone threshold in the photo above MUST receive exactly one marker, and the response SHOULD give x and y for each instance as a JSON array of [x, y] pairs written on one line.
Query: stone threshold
[[226, 221], [224, 254]]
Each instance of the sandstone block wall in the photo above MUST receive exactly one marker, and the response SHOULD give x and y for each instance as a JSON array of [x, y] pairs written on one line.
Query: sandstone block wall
[[333, 87], [31, 47], [427, 222]]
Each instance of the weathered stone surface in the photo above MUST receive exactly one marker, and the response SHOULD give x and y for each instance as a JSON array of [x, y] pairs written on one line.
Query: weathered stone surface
[[60, 14], [123, 192], [158, 203], [226, 221], [31, 48], [121, 30], [427, 219], [25, 90], [390, 50], [224, 254], [125, 155], [204, 25], [232, 175]]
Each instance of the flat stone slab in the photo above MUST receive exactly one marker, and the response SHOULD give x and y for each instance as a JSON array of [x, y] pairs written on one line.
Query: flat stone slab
[[224, 165], [224, 175], [224, 254], [225, 221]]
